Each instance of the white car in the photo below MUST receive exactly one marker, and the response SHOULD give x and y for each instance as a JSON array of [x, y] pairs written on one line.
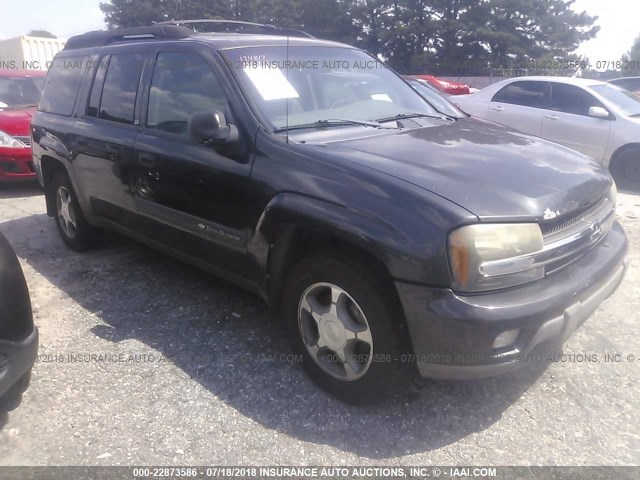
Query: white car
[[593, 117]]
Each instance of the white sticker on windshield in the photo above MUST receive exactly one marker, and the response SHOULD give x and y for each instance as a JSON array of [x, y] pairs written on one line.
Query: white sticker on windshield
[[381, 96], [271, 83]]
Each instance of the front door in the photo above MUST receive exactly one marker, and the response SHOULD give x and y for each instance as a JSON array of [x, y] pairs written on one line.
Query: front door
[[193, 198], [568, 122]]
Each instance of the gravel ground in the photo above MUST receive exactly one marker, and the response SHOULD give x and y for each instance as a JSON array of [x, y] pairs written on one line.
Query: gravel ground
[[145, 360]]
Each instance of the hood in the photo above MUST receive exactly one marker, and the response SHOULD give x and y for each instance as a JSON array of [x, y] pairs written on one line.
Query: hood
[[16, 122], [493, 172]]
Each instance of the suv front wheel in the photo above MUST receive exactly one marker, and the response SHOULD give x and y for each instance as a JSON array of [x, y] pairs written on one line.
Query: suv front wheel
[[343, 321]]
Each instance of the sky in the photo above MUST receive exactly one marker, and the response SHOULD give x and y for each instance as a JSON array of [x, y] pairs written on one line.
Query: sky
[[619, 21]]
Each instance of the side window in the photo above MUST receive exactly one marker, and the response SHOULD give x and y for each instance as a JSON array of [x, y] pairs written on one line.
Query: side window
[[570, 99], [120, 87], [182, 84], [96, 89], [62, 85], [528, 94]]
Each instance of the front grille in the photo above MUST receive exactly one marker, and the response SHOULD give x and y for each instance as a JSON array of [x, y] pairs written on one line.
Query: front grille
[[560, 224], [32, 167], [26, 140], [10, 167], [569, 237]]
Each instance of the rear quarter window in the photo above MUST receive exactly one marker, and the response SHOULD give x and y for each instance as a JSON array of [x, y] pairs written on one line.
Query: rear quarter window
[[62, 85]]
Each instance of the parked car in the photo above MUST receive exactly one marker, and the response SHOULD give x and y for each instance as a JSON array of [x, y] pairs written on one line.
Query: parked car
[[435, 97], [628, 83], [383, 233], [447, 86], [18, 335], [19, 96], [592, 117]]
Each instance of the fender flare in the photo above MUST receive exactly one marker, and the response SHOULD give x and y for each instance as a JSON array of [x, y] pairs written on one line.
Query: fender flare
[[288, 211]]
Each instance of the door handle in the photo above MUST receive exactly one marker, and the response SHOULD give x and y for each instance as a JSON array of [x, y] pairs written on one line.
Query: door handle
[[498, 108], [552, 117]]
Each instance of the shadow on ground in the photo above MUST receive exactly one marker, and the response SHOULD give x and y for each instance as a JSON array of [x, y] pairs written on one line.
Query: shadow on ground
[[223, 338], [29, 189]]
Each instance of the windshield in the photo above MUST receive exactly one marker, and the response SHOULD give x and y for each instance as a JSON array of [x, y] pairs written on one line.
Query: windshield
[[20, 91], [626, 101], [312, 84], [436, 99]]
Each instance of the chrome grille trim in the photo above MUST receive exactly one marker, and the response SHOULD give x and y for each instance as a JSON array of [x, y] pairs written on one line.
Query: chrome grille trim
[[26, 140], [563, 245], [565, 226]]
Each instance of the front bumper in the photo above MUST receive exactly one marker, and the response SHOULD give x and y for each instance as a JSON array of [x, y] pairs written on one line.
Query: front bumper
[[16, 164], [453, 335], [16, 359]]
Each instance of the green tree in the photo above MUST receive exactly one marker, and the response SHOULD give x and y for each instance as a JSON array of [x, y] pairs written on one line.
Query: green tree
[[446, 37], [633, 55], [41, 33]]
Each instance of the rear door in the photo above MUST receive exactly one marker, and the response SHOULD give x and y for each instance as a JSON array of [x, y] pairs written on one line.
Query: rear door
[[106, 133], [191, 197], [519, 105], [567, 121]]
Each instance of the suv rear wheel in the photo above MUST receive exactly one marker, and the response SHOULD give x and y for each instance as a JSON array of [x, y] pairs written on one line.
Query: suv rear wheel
[[73, 227], [339, 315]]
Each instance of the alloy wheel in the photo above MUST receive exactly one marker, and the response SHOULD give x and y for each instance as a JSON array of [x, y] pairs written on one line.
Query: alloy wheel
[[335, 331]]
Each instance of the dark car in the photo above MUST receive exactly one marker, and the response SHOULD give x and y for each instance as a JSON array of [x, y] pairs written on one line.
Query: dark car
[[628, 83], [18, 335], [383, 233]]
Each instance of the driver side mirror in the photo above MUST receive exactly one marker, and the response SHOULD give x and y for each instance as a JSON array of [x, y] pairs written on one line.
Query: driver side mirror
[[211, 128], [598, 112]]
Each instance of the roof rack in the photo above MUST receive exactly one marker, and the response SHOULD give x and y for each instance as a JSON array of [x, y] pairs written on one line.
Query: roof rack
[[101, 38], [236, 26]]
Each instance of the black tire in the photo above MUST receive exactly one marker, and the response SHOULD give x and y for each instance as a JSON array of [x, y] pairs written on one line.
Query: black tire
[[80, 236], [626, 169], [12, 398], [376, 300]]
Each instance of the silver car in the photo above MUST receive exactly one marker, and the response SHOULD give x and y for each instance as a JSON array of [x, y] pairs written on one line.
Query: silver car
[[596, 118]]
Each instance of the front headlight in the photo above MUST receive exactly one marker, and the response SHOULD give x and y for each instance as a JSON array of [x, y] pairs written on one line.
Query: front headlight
[[491, 256], [7, 141]]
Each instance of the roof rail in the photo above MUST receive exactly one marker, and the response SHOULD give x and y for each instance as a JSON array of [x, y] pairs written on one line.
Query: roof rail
[[236, 26], [101, 38]]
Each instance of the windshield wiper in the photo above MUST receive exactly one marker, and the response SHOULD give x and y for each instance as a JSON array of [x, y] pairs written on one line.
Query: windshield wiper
[[333, 122], [402, 116]]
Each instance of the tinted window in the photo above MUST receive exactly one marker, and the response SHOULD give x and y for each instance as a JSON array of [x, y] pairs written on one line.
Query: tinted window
[[570, 99], [529, 94], [182, 84], [62, 85], [120, 87], [96, 89]]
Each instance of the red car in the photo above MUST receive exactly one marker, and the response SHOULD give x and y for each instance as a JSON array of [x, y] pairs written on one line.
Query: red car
[[447, 86], [19, 97]]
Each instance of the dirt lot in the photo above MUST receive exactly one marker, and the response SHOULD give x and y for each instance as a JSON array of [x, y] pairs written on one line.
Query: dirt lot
[[147, 361]]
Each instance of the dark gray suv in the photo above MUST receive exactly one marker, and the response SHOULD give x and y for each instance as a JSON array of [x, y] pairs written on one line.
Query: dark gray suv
[[383, 231]]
